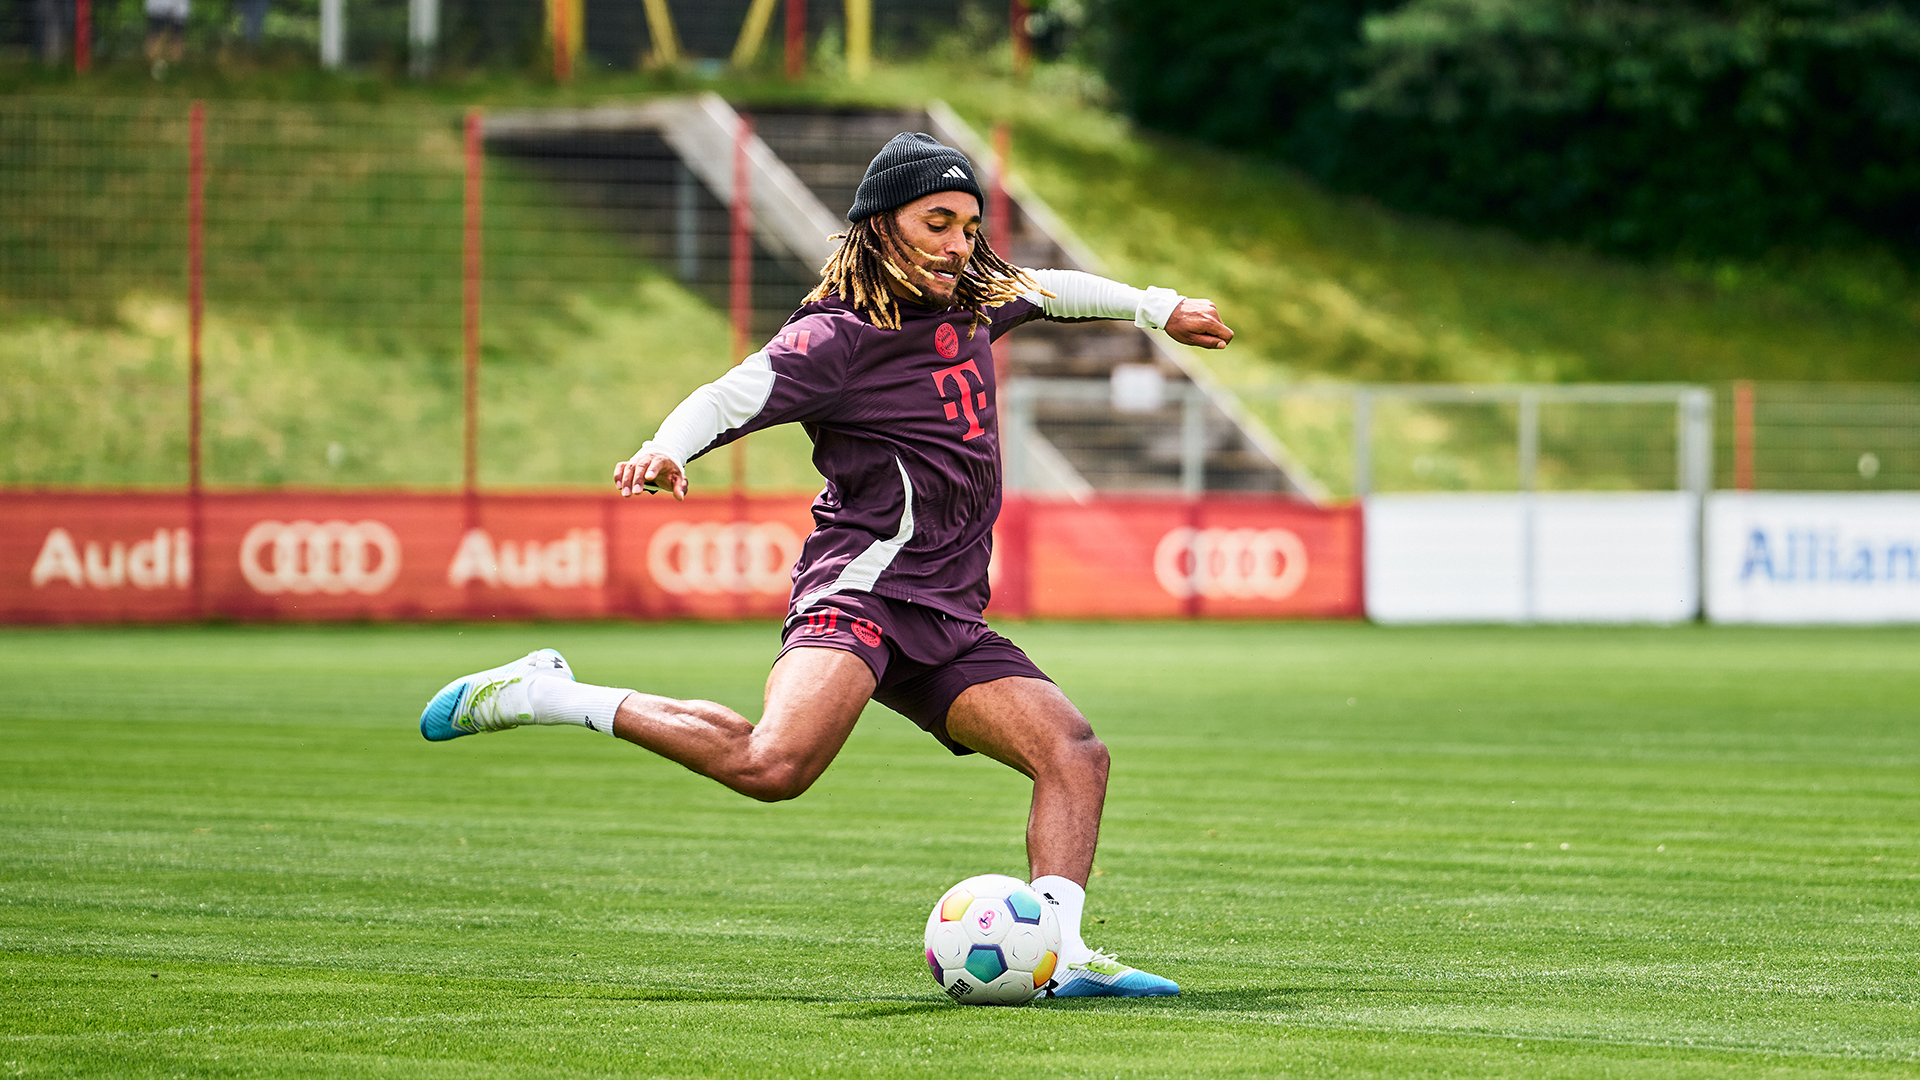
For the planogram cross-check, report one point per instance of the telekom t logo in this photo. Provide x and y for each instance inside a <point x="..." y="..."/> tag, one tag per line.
<point x="973" y="395"/>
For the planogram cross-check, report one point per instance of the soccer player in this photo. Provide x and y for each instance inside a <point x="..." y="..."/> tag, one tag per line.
<point x="888" y="366"/>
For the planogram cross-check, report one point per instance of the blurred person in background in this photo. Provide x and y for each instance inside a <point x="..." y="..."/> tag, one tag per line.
<point x="253" y="17"/>
<point x="51" y="20"/>
<point x="166" y="32"/>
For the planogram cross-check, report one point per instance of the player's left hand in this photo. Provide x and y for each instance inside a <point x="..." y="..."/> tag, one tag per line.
<point x="648" y="471"/>
<point x="1197" y="322"/>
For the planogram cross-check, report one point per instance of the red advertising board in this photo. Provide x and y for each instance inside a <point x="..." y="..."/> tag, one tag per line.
<point x="72" y="557"/>
<point x="95" y="558"/>
<point x="1137" y="557"/>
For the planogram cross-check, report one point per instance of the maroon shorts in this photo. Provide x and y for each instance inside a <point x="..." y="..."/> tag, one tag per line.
<point x="922" y="660"/>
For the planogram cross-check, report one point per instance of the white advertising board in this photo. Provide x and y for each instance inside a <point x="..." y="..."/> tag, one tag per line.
<point x="1545" y="557"/>
<point x="1842" y="557"/>
<point x="1444" y="558"/>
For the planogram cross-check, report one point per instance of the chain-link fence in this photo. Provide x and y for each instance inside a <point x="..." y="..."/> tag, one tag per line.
<point x="1820" y="436"/>
<point x="1360" y="439"/>
<point x="333" y="273"/>
<point x="463" y="34"/>
<point x="334" y="269"/>
<point x="1343" y="440"/>
<point x="1786" y="437"/>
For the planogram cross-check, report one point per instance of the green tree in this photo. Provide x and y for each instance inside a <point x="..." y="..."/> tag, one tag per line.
<point x="1639" y="125"/>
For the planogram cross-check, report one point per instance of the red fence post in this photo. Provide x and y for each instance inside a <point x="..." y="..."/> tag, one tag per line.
<point x="1743" y="435"/>
<point x="999" y="205"/>
<point x="562" y="46"/>
<point x="470" y="315"/>
<point x="82" y="36"/>
<point x="741" y="271"/>
<point x="471" y="192"/>
<point x="741" y="221"/>
<point x="1017" y="26"/>
<point x="1000" y="234"/>
<point x="196" y="306"/>
<point x="796" y="39"/>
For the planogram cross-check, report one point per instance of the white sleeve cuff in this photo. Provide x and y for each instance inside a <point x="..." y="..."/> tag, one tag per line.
<point x="1156" y="307"/>
<point x="1079" y="295"/>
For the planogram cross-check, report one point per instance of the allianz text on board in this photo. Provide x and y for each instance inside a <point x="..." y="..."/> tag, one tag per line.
<point x="1793" y="558"/>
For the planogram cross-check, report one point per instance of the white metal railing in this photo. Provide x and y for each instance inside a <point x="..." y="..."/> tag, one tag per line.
<point x="1693" y="417"/>
<point x="1029" y="458"/>
<point x="1692" y="420"/>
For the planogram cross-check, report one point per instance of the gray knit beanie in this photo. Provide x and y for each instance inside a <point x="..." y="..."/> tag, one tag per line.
<point x="912" y="164"/>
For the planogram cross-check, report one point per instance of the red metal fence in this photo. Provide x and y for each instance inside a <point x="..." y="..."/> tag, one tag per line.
<point x="92" y="557"/>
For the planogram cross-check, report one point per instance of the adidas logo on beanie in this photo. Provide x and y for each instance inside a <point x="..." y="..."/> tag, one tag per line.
<point x="912" y="164"/>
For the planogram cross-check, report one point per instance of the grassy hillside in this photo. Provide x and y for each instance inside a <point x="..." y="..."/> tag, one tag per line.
<point x="105" y="403"/>
<point x="333" y="353"/>
<point x="1320" y="285"/>
<point x="332" y="341"/>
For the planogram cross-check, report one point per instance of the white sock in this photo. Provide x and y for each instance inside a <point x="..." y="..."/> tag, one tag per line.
<point x="555" y="700"/>
<point x="1069" y="903"/>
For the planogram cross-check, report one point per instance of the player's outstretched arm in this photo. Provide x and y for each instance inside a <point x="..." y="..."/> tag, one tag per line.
<point x="1197" y="322"/>
<point x="1075" y="294"/>
<point x="650" y="468"/>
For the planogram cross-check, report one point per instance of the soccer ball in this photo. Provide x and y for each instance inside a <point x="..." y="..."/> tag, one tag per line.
<point x="991" y="940"/>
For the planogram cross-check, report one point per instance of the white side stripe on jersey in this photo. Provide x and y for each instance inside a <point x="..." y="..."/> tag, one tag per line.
<point x="865" y="569"/>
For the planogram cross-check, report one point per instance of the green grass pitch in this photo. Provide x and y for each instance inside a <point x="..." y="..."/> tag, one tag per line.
<point x="1362" y="851"/>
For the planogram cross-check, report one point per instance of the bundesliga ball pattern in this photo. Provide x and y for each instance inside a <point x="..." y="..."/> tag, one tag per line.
<point x="991" y="940"/>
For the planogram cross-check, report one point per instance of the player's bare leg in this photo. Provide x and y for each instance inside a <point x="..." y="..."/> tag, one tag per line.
<point x="814" y="697"/>
<point x="1029" y="725"/>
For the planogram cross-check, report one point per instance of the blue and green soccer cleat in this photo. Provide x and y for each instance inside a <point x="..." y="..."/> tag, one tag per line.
<point x="1105" y="976"/>
<point x="490" y="700"/>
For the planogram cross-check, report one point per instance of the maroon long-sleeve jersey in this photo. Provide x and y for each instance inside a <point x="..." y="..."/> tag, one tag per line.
<point x="904" y="429"/>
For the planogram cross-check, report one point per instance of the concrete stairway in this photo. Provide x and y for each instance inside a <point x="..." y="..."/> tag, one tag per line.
<point x="660" y="175"/>
<point x="661" y="172"/>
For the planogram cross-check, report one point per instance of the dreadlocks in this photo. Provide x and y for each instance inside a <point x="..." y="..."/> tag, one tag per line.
<point x="871" y="254"/>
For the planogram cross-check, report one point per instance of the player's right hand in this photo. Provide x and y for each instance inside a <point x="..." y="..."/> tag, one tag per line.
<point x="647" y="469"/>
<point x="1197" y="322"/>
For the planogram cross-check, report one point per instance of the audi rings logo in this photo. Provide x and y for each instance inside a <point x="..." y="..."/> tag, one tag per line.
<point x="332" y="557"/>
<point x="1231" y="564"/>
<point x="715" y="557"/>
